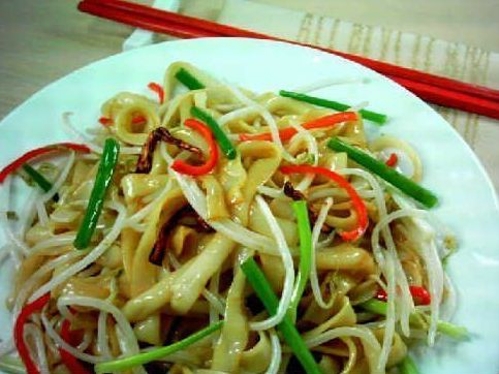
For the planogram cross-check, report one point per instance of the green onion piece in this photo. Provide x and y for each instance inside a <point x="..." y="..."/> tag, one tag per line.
<point x="378" y="118"/>
<point x="446" y="328"/>
<point x="222" y="139"/>
<point x="12" y="365"/>
<point x="287" y="328"/>
<point x="126" y="363"/>
<point x="408" y="366"/>
<point x="389" y="174"/>
<point x="454" y="331"/>
<point x="39" y="179"/>
<point x="188" y="80"/>
<point x="305" y="234"/>
<point x="375" y="306"/>
<point x="103" y="179"/>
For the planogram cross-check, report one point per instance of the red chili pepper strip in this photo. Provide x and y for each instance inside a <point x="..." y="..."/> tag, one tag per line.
<point x="195" y="170"/>
<point x="21" y="320"/>
<point x="159" y="91"/>
<point x="420" y="295"/>
<point x="357" y="202"/>
<point x="322" y="122"/>
<point x="16" y="164"/>
<point x="381" y="295"/>
<point x="71" y="362"/>
<point x="138" y="120"/>
<point x="106" y="121"/>
<point x="392" y="160"/>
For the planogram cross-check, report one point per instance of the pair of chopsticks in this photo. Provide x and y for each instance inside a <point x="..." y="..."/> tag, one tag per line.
<point x="428" y="87"/>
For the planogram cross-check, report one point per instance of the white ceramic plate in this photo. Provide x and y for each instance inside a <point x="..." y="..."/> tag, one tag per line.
<point x="468" y="203"/>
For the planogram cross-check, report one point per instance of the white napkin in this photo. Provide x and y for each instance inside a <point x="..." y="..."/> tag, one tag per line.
<point x="140" y="37"/>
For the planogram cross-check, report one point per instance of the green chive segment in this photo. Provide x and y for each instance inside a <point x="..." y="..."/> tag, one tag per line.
<point x="287" y="328"/>
<point x="126" y="363"/>
<point x="444" y="327"/>
<point x="305" y="235"/>
<point x="223" y="141"/>
<point x="378" y="118"/>
<point x="188" y="80"/>
<point x="39" y="179"/>
<point x="404" y="184"/>
<point x="408" y="366"/>
<point x="12" y="365"/>
<point x="102" y="181"/>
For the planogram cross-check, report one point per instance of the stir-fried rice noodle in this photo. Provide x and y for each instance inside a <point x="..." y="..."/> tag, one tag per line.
<point x="164" y="259"/>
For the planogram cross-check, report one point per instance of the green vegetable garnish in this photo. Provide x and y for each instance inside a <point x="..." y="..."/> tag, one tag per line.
<point x="305" y="234"/>
<point x="39" y="179"/>
<point x="408" y="366"/>
<point x="389" y="174"/>
<point x="223" y="141"/>
<point x="12" y="365"/>
<point x="367" y="114"/>
<point x="103" y="179"/>
<point x="454" y="331"/>
<point x="287" y="328"/>
<point x="447" y="328"/>
<point x="155" y="354"/>
<point x="188" y="80"/>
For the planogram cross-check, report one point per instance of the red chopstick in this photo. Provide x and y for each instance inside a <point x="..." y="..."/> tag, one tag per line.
<point x="451" y="99"/>
<point x="432" y="88"/>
